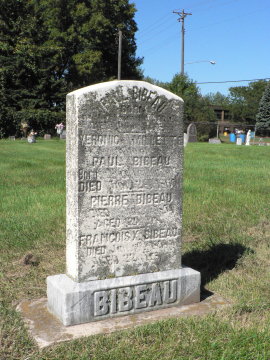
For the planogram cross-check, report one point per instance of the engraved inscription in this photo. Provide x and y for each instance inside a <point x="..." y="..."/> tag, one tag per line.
<point x="99" y="201"/>
<point x="131" y="139"/>
<point x="87" y="175"/>
<point x="105" y="161"/>
<point x="99" y="140"/>
<point x="143" y="184"/>
<point x="146" y="95"/>
<point x="151" y="161"/>
<point x="87" y="186"/>
<point x="142" y="296"/>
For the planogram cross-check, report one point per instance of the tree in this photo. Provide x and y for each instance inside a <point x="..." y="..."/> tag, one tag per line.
<point x="218" y="99"/>
<point x="244" y="101"/>
<point x="196" y="107"/>
<point x="51" y="47"/>
<point x="85" y="35"/>
<point x="263" y="115"/>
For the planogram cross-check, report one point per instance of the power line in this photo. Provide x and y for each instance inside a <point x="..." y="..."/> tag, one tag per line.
<point x="162" y="20"/>
<point x="143" y="39"/>
<point x="228" y="81"/>
<point x="153" y="26"/>
<point x="157" y="47"/>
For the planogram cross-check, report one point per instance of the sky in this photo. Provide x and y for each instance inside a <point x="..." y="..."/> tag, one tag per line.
<point x="233" y="33"/>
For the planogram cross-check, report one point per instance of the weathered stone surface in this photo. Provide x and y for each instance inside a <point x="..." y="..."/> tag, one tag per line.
<point x="47" y="137"/>
<point x="124" y="178"/>
<point x="76" y="303"/>
<point x="192" y="133"/>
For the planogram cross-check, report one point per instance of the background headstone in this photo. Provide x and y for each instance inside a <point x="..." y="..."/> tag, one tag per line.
<point x="124" y="204"/>
<point x="185" y="139"/>
<point x="31" y="139"/>
<point x="63" y="135"/>
<point x="47" y="137"/>
<point x="214" y="141"/>
<point x="239" y="141"/>
<point x="12" y="138"/>
<point x="192" y="133"/>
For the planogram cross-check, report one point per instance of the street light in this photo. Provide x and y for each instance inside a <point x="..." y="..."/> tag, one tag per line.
<point x="209" y="61"/>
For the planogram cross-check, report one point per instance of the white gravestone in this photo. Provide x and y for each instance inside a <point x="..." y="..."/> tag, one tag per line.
<point x="185" y="139"/>
<point x="124" y="205"/>
<point x="239" y="141"/>
<point x="248" y="137"/>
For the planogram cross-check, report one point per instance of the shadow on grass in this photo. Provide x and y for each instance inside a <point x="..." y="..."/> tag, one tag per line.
<point x="214" y="261"/>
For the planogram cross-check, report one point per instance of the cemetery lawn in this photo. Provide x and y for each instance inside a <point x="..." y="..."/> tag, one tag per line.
<point x="226" y="237"/>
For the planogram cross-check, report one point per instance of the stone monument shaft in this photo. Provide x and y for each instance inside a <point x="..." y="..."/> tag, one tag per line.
<point x="124" y="175"/>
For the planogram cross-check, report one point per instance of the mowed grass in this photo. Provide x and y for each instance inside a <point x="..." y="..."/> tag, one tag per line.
<point x="226" y="236"/>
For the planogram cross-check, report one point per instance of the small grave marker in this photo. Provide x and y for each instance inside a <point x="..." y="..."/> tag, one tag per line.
<point x="63" y="135"/>
<point x="185" y="139"/>
<point x="192" y="133"/>
<point x="239" y="141"/>
<point x="214" y="141"/>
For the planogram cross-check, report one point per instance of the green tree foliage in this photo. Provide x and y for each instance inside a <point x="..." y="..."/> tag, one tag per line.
<point x="218" y="99"/>
<point x="28" y="92"/>
<point x="197" y="108"/>
<point x="244" y="101"/>
<point x="51" y="47"/>
<point x="263" y="115"/>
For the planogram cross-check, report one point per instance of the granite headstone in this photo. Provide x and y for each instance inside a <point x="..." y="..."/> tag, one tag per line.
<point x="192" y="133"/>
<point x="124" y="205"/>
<point x="47" y="137"/>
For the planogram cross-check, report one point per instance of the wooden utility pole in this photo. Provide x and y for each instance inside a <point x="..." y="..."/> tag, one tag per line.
<point x="182" y="15"/>
<point x="119" y="55"/>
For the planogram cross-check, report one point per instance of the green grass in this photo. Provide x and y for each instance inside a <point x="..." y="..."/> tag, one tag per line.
<point x="226" y="237"/>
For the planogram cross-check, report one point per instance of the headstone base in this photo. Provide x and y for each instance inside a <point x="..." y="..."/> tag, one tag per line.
<point x="77" y="303"/>
<point x="47" y="330"/>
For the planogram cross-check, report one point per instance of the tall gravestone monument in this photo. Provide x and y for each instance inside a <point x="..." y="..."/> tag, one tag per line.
<point x="192" y="133"/>
<point x="124" y="205"/>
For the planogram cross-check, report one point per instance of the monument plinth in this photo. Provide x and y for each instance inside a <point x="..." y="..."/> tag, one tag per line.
<point x="124" y="205"/>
